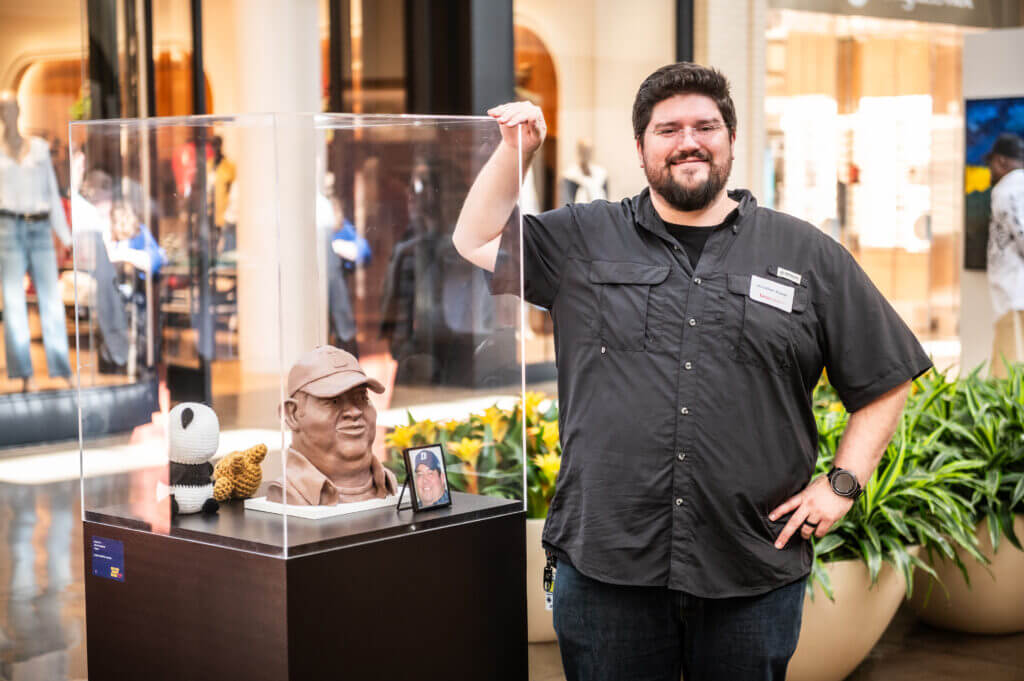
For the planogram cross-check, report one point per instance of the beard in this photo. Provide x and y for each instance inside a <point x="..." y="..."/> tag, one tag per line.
<point x="693" y="197"/>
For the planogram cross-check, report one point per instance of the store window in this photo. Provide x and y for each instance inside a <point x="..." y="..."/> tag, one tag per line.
<point x="864" y="121"/>
<point x="41" y="89"/>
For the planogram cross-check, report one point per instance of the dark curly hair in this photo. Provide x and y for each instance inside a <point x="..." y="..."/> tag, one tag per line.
<point x="679" y="79"/>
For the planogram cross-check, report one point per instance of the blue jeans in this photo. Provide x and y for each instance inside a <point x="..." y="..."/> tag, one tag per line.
<point x="608" y="632"/>
<point x="27" y="246"/>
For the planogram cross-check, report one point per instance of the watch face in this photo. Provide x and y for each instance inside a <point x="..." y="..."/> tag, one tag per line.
<point x="844" y="483"/>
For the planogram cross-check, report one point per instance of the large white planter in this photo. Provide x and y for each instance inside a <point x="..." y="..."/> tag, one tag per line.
<point x="836" y="636"/>
<point x="992" y="604"/>
<point x="540" y="628"/>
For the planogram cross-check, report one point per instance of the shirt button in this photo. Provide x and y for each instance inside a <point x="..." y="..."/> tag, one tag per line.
<point x="698" y="281"/>
<point x="684" y="411"/>
<point x="679" y="502"/>
<point x="676" y="247"/>
<point x="602" y="349"/>
<point x="681" y="456"/>
<point x="692" y="322"/>
<point x="688" y="366"/>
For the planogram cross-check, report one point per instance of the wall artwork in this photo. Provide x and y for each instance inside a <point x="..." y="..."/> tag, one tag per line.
<point x="986" y="119"/>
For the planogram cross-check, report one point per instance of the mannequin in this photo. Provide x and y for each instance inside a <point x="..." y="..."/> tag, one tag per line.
<point x="584" y="181"/>
<point x="30" y="207"/>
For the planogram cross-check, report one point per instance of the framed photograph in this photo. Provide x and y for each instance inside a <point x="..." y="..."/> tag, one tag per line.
<point x="427" y="477"/>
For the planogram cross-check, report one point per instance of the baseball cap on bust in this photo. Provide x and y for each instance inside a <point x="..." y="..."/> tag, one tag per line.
<point x="426" y="458"/>
<point x="1008" y="145"/>
<point x="327" y="371"/>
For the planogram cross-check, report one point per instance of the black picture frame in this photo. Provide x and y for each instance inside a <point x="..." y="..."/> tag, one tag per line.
<point x="414" y="456"/>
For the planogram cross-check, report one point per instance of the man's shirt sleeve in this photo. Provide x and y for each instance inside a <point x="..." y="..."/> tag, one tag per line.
<point x="547" y="239"/>
<point x="869" y="350"/>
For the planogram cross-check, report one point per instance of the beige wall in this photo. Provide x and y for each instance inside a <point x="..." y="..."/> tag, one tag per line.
<point x="730" y="35"/>
<point x="602" y="49"/>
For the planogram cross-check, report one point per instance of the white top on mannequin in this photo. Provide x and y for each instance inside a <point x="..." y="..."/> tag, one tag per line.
<point x="30" y="186"/>
<point x="1006" y="244"/>
<point x="591" y="187"/>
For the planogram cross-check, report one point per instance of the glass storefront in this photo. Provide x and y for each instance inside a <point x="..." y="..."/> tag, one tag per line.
<point x="865" y="127"/>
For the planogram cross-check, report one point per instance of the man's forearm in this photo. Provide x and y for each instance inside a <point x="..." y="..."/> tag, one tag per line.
<point x="488" y="205"/>
<point x="869" y="431"/>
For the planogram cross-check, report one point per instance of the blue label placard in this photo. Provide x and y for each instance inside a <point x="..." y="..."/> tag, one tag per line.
<point x="108" y="558"/>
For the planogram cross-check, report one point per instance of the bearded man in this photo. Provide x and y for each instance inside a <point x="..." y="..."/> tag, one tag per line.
<point x="691" y="326"/>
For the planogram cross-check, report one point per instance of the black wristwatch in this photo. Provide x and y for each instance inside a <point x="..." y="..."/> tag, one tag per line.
<point x="844" y="483"/>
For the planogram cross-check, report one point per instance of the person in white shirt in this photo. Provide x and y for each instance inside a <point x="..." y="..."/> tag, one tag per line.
<point x="1006" y="251"/>
<point x="30" y="209"/>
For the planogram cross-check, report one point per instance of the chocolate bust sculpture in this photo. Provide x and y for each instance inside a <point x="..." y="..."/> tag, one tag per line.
<point x="333" y="426"/>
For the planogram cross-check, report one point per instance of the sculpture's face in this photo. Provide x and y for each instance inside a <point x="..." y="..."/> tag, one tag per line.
<point x="429" y="485"/>
<point x="343" y="426"/>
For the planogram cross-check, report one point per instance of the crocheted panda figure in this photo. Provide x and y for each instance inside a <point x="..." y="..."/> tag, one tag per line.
<point x="193" y="433"/>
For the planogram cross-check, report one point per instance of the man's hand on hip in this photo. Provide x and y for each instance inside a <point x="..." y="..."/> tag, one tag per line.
<point x="815" y="510"/>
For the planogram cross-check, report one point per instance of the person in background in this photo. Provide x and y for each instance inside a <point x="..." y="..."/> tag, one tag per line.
<point x="1006" y="251"/>
<point x="31" y="212"/>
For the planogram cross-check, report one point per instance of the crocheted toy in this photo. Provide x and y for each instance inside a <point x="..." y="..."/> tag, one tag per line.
<point x="238" y="474"/>
<point x="193" y="433"/>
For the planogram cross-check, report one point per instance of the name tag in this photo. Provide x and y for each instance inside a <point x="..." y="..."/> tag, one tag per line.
<point x="771" y="293"/>
<point x="788" y="274"/>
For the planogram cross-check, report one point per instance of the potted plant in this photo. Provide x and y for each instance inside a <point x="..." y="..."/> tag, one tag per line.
<point x="865" y="565"/>
<point x="983" y="422"/>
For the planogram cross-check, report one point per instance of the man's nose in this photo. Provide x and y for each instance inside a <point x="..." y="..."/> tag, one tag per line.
<point x="686" y="140"/>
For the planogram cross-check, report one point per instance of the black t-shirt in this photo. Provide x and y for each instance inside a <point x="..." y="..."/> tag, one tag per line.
<point x="692" y="239"/>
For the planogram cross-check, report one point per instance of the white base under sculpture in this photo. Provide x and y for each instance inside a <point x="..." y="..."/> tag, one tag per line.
<point x="318" y="512"/>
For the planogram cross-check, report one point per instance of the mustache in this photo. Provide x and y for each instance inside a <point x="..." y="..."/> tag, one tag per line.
<point x="695" y="155"/>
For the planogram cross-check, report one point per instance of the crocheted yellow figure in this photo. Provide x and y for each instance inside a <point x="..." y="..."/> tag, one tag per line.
<point x="238" y="474"/>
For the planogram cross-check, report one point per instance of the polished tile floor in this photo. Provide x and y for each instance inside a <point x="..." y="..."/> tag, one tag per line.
<point x="42" y="603"/>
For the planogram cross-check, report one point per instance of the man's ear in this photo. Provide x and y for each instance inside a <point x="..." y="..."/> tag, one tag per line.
<point x="290" y="409"/>
<point x="640" y="151"/>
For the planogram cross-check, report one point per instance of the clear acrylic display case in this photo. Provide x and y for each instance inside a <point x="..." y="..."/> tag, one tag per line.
<point x="211" y="252"/>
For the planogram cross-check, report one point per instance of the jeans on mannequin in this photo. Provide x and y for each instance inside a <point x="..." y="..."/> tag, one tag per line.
<point x="27" y="246"/>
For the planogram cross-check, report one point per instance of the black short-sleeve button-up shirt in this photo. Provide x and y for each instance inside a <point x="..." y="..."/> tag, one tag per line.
<point x="685" y="392"/>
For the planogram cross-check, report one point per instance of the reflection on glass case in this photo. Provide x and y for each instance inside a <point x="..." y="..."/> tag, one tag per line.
<point x="288" y="284"/>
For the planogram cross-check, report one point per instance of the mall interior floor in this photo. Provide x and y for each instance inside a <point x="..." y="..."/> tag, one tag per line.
<point x="42" y="602"/>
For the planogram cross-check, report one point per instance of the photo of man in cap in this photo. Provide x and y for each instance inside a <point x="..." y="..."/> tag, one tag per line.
<point x="333" y="424"/>
<point x="1006" y="250"/>
<point x="429" y="480"/>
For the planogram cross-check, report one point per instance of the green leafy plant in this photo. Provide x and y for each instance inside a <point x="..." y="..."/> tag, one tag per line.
<point x="983" y="420"/>
<point x="916" y="496"/>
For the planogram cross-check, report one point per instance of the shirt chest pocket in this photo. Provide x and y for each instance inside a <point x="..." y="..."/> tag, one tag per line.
<point x="761" y="334"/>
<point x="623" y="295"/>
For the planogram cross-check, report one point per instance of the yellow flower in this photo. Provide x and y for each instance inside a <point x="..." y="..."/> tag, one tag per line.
<point x="533" y="400"/>
<point x="550" y="435"/>
<point x="401" y="437"/>
<point x="549" y="465"/>
<point x="468" y="450"/>
<point x="428" y="429"/>
<point x="836" y="407"/>
<point x="498" y="420"/>
<point x="532" y="432"/>
<point x="450" y="425"/>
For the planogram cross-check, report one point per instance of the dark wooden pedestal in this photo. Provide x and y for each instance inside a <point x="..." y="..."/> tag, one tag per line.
<point x="373" y="595"/>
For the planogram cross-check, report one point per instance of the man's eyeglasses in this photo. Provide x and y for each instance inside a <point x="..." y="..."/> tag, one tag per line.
<point x="704" y="132"/>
